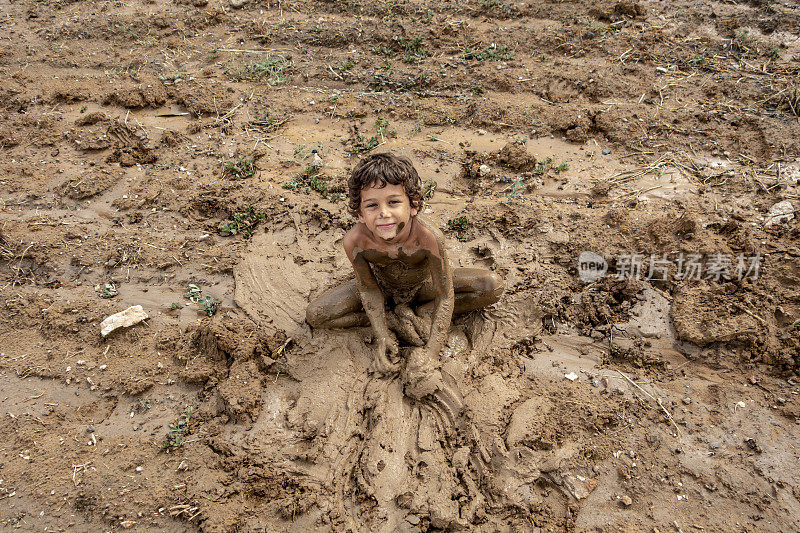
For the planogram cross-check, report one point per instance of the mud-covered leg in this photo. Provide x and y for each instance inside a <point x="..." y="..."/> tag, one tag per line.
<point x="475" y="288"/>
<point x="339" y="307"/>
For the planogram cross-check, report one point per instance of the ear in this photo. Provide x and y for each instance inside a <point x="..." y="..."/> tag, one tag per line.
<point x="414" y="209"/>
<point x="361" y="217"/>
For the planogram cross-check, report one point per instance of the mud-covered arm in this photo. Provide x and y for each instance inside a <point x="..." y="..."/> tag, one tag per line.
<point x="372" y="297"/>
<point x="444" y="299"/>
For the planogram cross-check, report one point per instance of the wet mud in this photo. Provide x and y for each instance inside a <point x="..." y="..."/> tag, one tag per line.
<point x="191" y="158"/>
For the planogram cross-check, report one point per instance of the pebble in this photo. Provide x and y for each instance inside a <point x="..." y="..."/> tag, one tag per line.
<point x="687" y="400"/>
<point x="236" y="4"/>
<point x="626" y="500"/>
<point x="572" y="376"/>
<point x="606" y="151"/>
<point x="779" y="213"/>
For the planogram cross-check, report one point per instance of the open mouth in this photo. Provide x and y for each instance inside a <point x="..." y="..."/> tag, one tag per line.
<point x="385" y="226"/>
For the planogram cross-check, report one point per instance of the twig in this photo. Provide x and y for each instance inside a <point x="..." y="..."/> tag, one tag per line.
<point x="657" y="400"/>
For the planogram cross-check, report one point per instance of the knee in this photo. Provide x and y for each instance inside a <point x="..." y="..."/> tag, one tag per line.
<point x="315" y="315"/>
<point x="492" y="286"/>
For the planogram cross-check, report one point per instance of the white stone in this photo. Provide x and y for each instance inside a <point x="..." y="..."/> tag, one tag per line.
<point x="129" y="317"/>
<point x="779" y="213"/>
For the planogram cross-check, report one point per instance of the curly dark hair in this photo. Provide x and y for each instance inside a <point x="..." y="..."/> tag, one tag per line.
<point x="380" y="169"/>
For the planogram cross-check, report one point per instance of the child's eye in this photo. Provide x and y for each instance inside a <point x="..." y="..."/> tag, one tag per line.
<point x="394" y="202"/>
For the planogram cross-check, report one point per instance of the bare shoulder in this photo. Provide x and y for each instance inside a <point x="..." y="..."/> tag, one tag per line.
<point x="355" y="238"/>
<point x="429" y="236"/>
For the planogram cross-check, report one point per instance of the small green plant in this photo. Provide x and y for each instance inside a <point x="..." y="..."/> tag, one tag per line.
<point x="109" y="290"/>
<point x="194" y="293"/>
<point x="213" y="54"/>
<point x="142" y="405"/>
<point x="174" y="306"/>
<point x="383" y="51"/>
<point x="364" y="144"/>
<point x="311" y="180"/>
<point x="459" y="225"/>
<point x="274" y="69"/>
<point x="266" y="121"/>
<point x="241" y="168"/>
<point x="83" y="109"/>
<point x="344" y="66"/>
<point x="243" y="222"/>
<point x="492" y="53"/>
<point x="171" y="78"/>
<point x="478" y="89"/>
<point x="428" y="189"/>
<point x="209" y="305"/>
<point x="17" y="518"/>
<point x="561" y="168"/>
<point x="315" y="29"/>
<point x="414" y="49"/>
<point x="300" y="153"/>
<point x="177" y="431"/>
<point x="515" y="191"/>
<point x="542" y="166"/>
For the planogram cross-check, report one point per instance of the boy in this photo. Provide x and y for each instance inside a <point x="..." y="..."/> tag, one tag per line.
<point x="399" y="256"/>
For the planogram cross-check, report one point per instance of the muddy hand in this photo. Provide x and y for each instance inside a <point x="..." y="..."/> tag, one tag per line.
<point x="385" y="354"/>
<point x="400" y="323"/>
<point x="421" y="376"/>
<point x="421" y="327"/>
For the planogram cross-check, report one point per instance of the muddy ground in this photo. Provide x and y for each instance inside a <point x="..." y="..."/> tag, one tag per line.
<point x="152" y="145"/>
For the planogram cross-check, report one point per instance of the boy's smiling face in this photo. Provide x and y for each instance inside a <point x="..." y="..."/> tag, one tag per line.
<point x="387" y="212"/>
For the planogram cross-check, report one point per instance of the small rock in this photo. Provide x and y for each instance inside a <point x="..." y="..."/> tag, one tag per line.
<point x="139" y="468"/>
<point x="741" y="404"/>
<point x="89" y="429"/>
<point x="579" y="486"/>
<point x="481" y="132"/>
<point x="237" y="4"/>
<point x="102" y="367"/>
<point x="606" y="151"/>
<point x="626" y="500"/>
<point x="484" y="170"/>
<point x="687" y="401"/>
<point x="572" y="376"/>
<point x="127" y="524"/>
<point x="752" y="445"/>
<point x="129" y="317"/>
<point x="779" y="213"/>
<point x="316" y="160"/>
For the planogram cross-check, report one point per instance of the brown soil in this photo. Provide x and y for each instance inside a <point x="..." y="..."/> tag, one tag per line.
<point x="131" y="134"/>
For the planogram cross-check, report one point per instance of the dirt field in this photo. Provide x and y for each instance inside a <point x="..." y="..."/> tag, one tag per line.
<point x="191" y="156"/>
